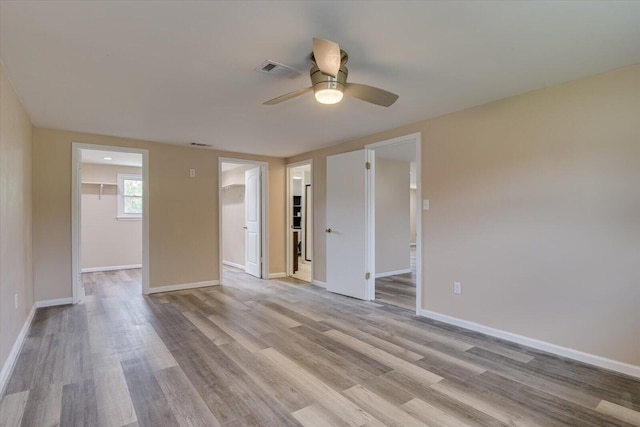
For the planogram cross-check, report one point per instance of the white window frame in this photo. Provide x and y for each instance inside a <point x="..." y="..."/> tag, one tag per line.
<point x="121" y="214"/>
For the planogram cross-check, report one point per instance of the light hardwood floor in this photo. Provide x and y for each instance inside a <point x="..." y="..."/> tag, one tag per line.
<point x="304" y="271"/>
<point x="399" y="290"/>
<point x="271" y="353"/>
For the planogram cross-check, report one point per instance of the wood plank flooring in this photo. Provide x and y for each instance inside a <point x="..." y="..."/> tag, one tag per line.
<point x="283" y="353"/>
<point x="400" y="289"/>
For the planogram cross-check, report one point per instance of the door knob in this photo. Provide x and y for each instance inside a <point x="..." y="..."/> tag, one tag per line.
<point x="328" y="230"/>
<point x="244" y="227"/>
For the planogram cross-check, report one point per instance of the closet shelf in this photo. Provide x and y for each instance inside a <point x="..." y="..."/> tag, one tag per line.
<point x="98" y="183"/>
<point x="230" y="186"/>
<point x="101" y="184"/>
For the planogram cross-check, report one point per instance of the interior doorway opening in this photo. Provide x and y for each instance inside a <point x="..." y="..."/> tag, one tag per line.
<point x="300" y="221"/>
<point x="395" y="224"/>
<point x="242" y="216"/>
<point x="396" y="211"/>
<point x="109" y="216"/>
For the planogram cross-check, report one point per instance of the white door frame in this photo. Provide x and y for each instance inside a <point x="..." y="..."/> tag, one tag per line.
<point x="417" y="138"/>
<point x="290" y="168"/>
<point x="264" y="207"/>
<point x="77" y="291"/>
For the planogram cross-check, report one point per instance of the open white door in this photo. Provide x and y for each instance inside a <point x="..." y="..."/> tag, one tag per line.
<point x="253" y="243"/>
<point x="348" y="252"/>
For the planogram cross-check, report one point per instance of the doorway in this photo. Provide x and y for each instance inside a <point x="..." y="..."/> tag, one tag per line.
<point x="351" y="220"/>
<point x="110" y="214"/>
<point x="397" y="232"/>
<point x="242" y="217"/>
<point x="395" y="224"/>
<point x="300" y="221"/>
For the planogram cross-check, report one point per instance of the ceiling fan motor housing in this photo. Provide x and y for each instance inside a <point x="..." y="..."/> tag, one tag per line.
<point x="320" y="80"/>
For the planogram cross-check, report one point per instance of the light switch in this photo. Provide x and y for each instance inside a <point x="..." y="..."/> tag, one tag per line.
<point x="425" y="205"/>
<point x="192" y="173"/>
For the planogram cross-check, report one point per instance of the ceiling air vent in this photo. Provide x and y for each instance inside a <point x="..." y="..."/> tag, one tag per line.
<point x="199" y="144"/>
<point x="278" y="70"/>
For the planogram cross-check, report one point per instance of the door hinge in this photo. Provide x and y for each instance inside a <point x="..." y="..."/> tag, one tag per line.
<point x="367" y="165"/>
<point x="367" y="276"/>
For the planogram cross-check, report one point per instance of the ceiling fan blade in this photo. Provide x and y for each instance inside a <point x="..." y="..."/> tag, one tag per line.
<point x="327" y="56"/>
<point x="371" y="94"/>
<point x="288" y="96"/>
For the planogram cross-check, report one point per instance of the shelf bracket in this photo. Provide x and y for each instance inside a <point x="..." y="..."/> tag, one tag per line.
<point x="100" y="194"/>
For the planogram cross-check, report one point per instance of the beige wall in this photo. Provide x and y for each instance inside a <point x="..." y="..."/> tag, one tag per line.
<point x="392" y="216"/>
<point x="183" y="211"/>
<point x="534" y="207"/>
<point x="15" y="216"/>
<point x="107" y="241"/>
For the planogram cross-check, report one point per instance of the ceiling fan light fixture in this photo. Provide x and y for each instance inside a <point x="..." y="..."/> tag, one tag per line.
<point x="329" y="84"/>
<point x="328" y="96"/>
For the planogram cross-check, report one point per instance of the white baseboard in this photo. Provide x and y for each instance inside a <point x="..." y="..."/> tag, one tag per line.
<point x="54" y="302"/>
<point x="10" y="363"/>
<point x="393" y="273"/>
<point x="592" y="359"/>
<point x="233" y="264"/>
<point x="157" y="289"/>
<point x="277" y="275"/>
<point x="319" y="283"/>
<point x="111" y="268"/>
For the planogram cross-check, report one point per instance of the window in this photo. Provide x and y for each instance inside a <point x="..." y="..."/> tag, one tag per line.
<point x="129" y="196"/>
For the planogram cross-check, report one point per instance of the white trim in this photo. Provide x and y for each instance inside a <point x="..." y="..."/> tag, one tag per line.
<point x="76" y="225"/>
<point x="111" y="268"/>
<point x="10" y="363"/>
<point x="319" y="283"/>
<point x="169" y="288"/>
<point x="419" y="277"/>
<point x="277" y="275"/>
<point x="53" y="302"/>
<point x="77" y="289"/>
<point x="417" y="139"/>
<point x="592" y="359"/>
<point x="370" y="223"/>
<point x="393" y="273"/>
<point x="233" y="264"/>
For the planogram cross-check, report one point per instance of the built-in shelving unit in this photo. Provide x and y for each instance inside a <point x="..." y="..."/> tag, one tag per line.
<point x="101" y="184"/>
<point x="297" y="212"/>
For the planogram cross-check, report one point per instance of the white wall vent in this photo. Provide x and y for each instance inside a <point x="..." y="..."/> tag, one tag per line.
<point x="278" y="70"/>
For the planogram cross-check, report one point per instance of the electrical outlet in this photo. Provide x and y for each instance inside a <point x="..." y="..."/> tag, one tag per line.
<point x="457" y="288"/>
<point x="15" y="301"/>
<point x="192" y="173"/>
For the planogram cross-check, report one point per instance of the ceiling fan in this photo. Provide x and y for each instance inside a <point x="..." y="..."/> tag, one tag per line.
<point x="329" y="79"/>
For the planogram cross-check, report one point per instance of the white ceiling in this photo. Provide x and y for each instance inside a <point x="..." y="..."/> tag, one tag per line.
<point x="111" y="158"/>
<point x="182" y="71"/>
